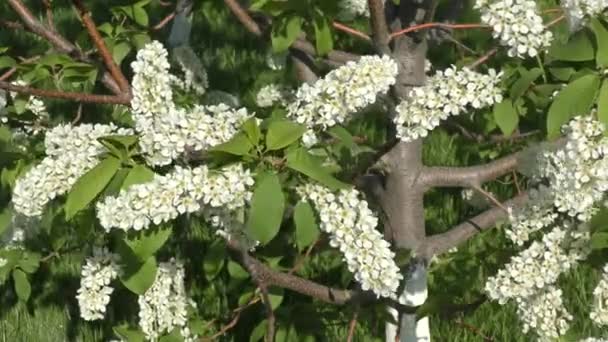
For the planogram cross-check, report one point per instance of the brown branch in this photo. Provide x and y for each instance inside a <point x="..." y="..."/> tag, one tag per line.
<point x="49" y="14"/>
<point x="471" y="176"/>
<point x="164" y="22"/>
<point x="244" y="17"/>
<point x="304" y="65"/>
<point x="440" y="243"/>
<point x="380" y="33"/>
<point x="81" y="97"/>
<point x="115" y="71"/>
<point x="58" y="41"/>
<point x="341" y="27"/>
<point x="440" y="25"/>
<point x="352" y="325"/>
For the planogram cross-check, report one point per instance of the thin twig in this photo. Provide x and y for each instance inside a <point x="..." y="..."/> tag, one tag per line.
<point x="351" y="31"/>
<point x="269" y="312"/>
<point x="301" y="260"/>
<point x="164" y="22"/>
<point x="516" y="181"/>
<point x="81" y="97"/>
<point x="442" y="25"/>
<point x="49" y="14"/>
<point x="483" y="58"/>
<point x="352" y="325"/>
<point x="490" y="197"/>
<point x="78" y="114"/>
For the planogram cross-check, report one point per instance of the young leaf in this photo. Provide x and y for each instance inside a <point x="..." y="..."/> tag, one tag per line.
<point x="90" y="185"/>
<point x="285" y="31"/>
<point x="282" y="133"/>
<point x="602" y="104"/>
<point x="323" y="38"/>
<point x="601" y="37"/>
<point x="149" y="241"/>
<point x="575" y="99"/>
<point x="302" y="161"/>
<point x="267" y="206"/>
<point x="523" y="83"/>
<point x="236" y="271"/>
<point x="139" y="174"/>
<point x="307" y="229"/>
<point x="251" y="128"/>
<point x="506" y="116"/>
<point x="139" y="277"/>
<point x="239" y="145"/>
<point x="579" y="48"/>
<point x="214" y="259"/>
<point x="22" y="285"/>
<point x="599" y="240"/>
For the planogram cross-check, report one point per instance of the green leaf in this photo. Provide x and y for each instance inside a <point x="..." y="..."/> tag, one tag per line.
<point x="267" y="206"/>
<point x="139" y="174"/>
<point x="506" y="116"/>
<point x="114" y="186"/>
<point x="139" y="277"/>
<point x="275" y="295"/>
<point x="602" y="104"/>
<point x="6" y="216"/>
<point x="239" y="145"/>
<point x="282" y="133"/>
<point x="129" y="334"/>
<point x="601" y="37"/>
<point x="236" y="271"/>
<point x="285" y="30"/>
<point x="120" y="51"/>
<point x="141" y="16"/>
<point x="147" y="242"/>
<point x="7" y="62"/>
<point x="323" y="39"/>
<point x="523" y="83"/>
<point x="174" y="336"/>
<point x="29" y="262"/>
<point x="575" y="99"/>
<point x="300" y="160"/>
<point x="22" y="285"/>
<point x="214" y="259"/>
<point x="599" y="240"/>
<point x="90" y="185"/>
<point x="307" y="229"/>
<point x="126" y="141"/>
<point x="578" y="48"/>
<point x="259" y="331"/>
<point x="344" y="136"/>
<point x="251" y="128"/>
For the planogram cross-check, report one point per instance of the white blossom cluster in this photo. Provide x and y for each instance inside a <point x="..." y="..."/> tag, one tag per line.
<point x="182" y="191"/>
<point x="537" y="214"/>
<point x="539" y="265"/>
<point x="343" y="91"/>
<point x="448" y="92"/>
<point x="272" y="94"/>
<point x="350" y="9"/>
<point x="191" y="82"/>
<point x="545" y="313"/>
<point x="33" y="105"/>
<point x="517" y="24"/>
<point x="352" y="228"/>
<point x="95" y="290"/>
<point x="577" y="10"/>
<point x="164" y="306"/>
<point x="71" y="152"/>
<point x="577" y="173"/>
<point x="599" y="313"/>
<point x="168" y="131"/>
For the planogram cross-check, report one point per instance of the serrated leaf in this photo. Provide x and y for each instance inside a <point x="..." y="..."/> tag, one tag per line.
<point x="575" y="99"/>
<point x="22" y="285"/>
<point x="285" y="30"/>
<point x="267" y="206"/>
<point x="138" y="174"/>
<point x="90" y="185"/>
<point x="139" y="277"/>
<point x="239" y="145"/>
<point x="601" y="38"/>
<point x="602" y="104"/>
<point x="323" y="39"/>
<point x="147" y="242"/>
<point x="282" y="133"/>
<point x="214" y="259"/>
<point x="300" y="160"/>
<point x="578" y="48"/>
<point x="506" y="117"/>
<point x="307" y="229"/>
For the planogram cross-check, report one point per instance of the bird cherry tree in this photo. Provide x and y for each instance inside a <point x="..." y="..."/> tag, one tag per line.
<point x="278" y="181"/>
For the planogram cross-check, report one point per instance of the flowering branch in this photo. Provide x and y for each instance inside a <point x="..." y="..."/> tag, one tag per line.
<point x="440" y="243"/>
<point x="379" y="27"/>
<point x="471" y="176"/>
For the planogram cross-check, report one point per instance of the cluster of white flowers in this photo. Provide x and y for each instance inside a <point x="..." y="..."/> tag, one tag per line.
<point x="352" y="228"/>
<point x="164" y="306"/>
<point x="350" y="9"/>
<point x="343" y="91"/>
<point x="536" y="215"/>
<point x="546" y="314"/>
<point x="191" y="82"/>
<point x="599" y="313"/>
<point x="577" y="10"/>
<point x="272" y="94"/>
<point x="167" y="131"/>
<point x="33" y="104"/>
<point x="539" y="265"/>
<point x="182" y="191"/>
<point x="518" y="25"/>
<point x="95" y="290"/>
<point x="446" y="93"/>
<point x="71" y="152"/>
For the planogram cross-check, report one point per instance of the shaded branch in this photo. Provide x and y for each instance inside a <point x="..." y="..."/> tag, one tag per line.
<point x="440" y="243"/>
<point x="241" y="14"/>
<point x="380" y="33"/>
<point x="80" y="97"/>
<point x="305" y="68"/>
<point x="471" y="176"/>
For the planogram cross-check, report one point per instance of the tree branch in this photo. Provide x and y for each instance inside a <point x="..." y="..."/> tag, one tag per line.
<point x="471" y="176"/>
<point x="304" y="66"/>
<point x="380" y="33"/>
<point x="440" y="243"/>
<point x="58" y="41"/>
<point x="81" y="97"/>
<point x="241" y="14"/>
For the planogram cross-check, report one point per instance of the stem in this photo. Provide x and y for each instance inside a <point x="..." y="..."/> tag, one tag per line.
<point x="542" y="67"/>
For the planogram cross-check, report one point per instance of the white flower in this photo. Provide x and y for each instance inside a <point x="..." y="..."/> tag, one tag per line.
<point x="448" y="92"/>
<point x="352" y="228"/>
<point x="545" y="313"/>
<point x="517" y="24"/>
<point x="271" y="94"/>
<point x="537" y="214"/>
<point x="350" y="9"/>
<point x="577" y="10"/>
<point x="164" y="306"/>
<point x="95" y="290"/>
<point x="71" y="152"/>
